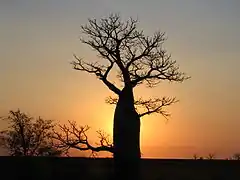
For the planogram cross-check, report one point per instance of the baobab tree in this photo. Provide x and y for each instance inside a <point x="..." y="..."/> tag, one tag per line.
<point x="138" y="59"/>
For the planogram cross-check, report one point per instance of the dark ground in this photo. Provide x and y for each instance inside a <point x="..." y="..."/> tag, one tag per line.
<point x="91" y="169"/>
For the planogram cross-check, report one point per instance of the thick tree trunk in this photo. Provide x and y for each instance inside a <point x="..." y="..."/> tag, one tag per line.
<point x="126" y="135"/>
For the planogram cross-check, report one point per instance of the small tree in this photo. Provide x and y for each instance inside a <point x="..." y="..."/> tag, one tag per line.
<point x="211" y="156"/>
<point x="236" y="156"/>
<point x="195" y="156"/>
<point x="28" y="137"/>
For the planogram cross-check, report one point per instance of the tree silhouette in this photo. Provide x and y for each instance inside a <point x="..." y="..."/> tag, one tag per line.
<point x="137" y="59"/>
<point x="195" y="156"/>
<point x="211" y="156"/>
<point x="72" y="136"/>
<point x="236" y="156"/>
<point x="28" y="137"/>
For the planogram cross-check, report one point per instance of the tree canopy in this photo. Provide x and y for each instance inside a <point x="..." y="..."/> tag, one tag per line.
<point x="136" y="59"/>
<point x="26" y="136"/>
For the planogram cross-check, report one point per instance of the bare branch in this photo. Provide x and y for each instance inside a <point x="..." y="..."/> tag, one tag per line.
<point x="104" y="139"/>
<point x="101" y="71"/>
<point x="146" y="45"/>
<point x="150" y="106"/>
<point x="156" y="105"/>
<point x="111" y="100"/>
<point x="75" y="137"/>
<point x="154" y="65"/>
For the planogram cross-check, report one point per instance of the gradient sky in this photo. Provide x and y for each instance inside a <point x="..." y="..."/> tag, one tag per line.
<point x="38" y="38"/>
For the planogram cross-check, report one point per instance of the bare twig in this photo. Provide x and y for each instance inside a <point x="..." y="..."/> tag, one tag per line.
<point x="139" y="58"/>
<point x="150" y="106"/>
<point x="71" y="136"/>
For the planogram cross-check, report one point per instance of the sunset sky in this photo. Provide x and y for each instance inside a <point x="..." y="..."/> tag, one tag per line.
<point x="38" y="39"/>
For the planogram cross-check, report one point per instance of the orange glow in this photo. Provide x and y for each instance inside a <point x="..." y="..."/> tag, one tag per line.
<point x="38" y="40"/>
